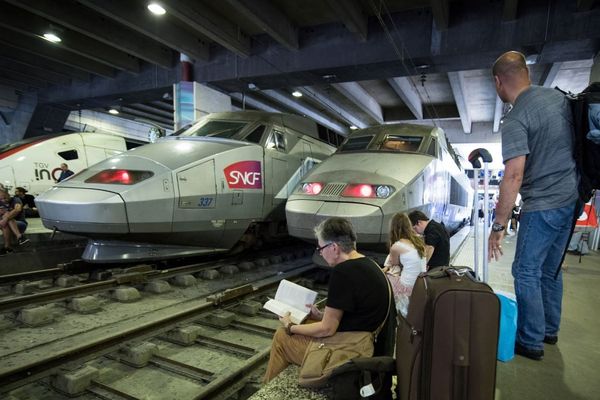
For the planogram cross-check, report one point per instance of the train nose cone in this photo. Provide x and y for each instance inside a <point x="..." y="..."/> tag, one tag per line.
<point x="80" y="210"/>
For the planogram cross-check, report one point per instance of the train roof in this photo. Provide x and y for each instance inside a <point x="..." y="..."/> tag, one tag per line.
<point x="295" y="122"/>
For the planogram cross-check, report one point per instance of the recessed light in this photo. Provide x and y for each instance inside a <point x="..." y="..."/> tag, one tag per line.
<point x="297" y="93"/>
<point x="51" y="37"/>
<point x="353" y="127"/>
<point x="113" y="111"/>
<point x="156" y="9"/>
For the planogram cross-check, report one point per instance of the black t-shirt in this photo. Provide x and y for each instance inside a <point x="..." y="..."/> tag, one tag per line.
<point x="28" y="200"/>
<point x="13" y="201"/>
<point x="436" y="236"/>
<point x="360" y="289"/>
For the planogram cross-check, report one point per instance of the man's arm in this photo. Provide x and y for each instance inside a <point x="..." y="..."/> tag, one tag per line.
<point x="509" y="188"/>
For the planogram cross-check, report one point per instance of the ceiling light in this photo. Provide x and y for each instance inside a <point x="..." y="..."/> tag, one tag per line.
<point x="532" y="59"/>
<point x="353" y="127"/>
<point x="113" y="111"/>
<point x="52" y="37"/>
<point x="297" y="93"/>
<point x="156" y="9"/>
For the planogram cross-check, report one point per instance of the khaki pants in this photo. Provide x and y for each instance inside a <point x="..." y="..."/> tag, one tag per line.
<point x="285" y="350"/>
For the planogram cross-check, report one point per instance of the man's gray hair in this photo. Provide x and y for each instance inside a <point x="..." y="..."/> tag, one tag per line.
<point x="337" y="230"/>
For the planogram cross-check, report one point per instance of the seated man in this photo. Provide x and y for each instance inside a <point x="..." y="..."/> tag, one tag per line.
<point x="28" y="201"/>
<point x="12" y="221"/>
<point x="437" y="241"/>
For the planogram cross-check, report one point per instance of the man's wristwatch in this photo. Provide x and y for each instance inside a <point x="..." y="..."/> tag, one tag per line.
<point x="496" y="227"/>
<point x="288" y="328"/>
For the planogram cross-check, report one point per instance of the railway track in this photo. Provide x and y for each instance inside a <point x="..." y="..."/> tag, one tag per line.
<point x="198" y="341"/>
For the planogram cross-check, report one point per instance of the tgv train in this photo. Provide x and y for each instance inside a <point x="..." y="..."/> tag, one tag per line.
<point x="34" y="163"/>
<point x="222" y="181"/>
<point x="378" y="172"/>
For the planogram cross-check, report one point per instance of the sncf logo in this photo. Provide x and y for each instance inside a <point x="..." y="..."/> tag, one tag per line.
<point x="244" y="175"/>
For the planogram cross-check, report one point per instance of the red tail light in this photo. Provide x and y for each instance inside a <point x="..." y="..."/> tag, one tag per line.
<point x="312" y="188"/>
<point x="119" y="177"/>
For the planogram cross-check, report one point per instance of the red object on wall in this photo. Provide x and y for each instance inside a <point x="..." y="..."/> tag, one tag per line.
<point x="588" y="218"/>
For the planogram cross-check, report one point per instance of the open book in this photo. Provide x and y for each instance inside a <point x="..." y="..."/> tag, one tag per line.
<point x="293" y="298"/>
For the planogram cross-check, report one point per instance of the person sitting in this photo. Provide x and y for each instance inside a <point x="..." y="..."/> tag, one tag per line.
<point x="65" y="172"/>
<point x="358" y="298"/>
<point x="12" y="222"/>
<point x="436" y="239"/>
<point x="28" y="201"/>
<point x="405" y="261"/>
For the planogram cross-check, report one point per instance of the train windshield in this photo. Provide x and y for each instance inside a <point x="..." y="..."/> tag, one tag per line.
<point x="356" y="143"/>
<point x="401" y="143"/>
<point x="222" y="129"/>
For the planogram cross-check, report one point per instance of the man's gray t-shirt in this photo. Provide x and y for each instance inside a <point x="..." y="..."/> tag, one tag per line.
<point x="539" y="127"/>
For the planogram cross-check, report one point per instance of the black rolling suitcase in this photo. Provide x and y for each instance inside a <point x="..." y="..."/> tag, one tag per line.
<point x="446" y="346"/>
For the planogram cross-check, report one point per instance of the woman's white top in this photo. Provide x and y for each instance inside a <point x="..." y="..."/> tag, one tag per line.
<point x="412" y="264"/>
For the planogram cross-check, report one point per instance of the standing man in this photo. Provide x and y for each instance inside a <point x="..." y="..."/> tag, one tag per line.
<point x="437" y="241"/>
<point x="65" y="173"/>
<point x="537" y="150"/>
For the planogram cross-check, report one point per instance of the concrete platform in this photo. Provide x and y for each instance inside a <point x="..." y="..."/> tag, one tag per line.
<point x="569" y="369"/>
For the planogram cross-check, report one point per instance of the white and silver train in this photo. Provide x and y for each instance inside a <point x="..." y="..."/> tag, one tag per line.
<point x="222" y="182"/>
<point x="378" y="172"/>
<point x="34" y="163"/>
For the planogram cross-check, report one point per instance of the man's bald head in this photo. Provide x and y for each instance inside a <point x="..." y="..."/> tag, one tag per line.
<point x="510" y="64"/>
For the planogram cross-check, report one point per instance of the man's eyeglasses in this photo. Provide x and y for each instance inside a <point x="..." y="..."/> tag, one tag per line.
<point x="321" y="248"/>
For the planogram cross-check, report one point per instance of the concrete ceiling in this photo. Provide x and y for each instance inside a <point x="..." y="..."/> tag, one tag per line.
<point x="357" y="62"/>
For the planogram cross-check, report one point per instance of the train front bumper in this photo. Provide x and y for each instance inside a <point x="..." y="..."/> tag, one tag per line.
<point x="80" y="210"/>
<point x="303" y="215"/>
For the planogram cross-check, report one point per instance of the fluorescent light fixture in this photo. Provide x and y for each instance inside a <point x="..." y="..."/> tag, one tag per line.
<point x="353" y="127"/>
<point x="297" y="93"/>
<point x="113" y="111"/>
<point x="51" y="37"/>
<point x="156" y="9"/>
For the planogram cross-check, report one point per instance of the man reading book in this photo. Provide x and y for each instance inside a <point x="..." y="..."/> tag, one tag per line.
<point x="358" y="297"/>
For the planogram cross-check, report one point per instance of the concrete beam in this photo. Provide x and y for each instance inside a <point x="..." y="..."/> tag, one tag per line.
<point x="14" y="84"/>
<point x="20" y="77"/>
<point x="359" y="96"/>
<point x="431" y="112"/>
<point x="549" y="74"/>
<point x="498" y="109"/>
<point x="32" y="60"/>
<point x="305" y="109"/>
<point x="441" y="14"/>
<point x="91" y="24"/>
<point x="323" y="99"/>
<point x="352" y="16"/>
<point x="460" y="96"/>
<point x="405" y="89"/>
<point x="254" y="102"/>
<point x="33" y="26"/>
<point x="35" y="73"/>
<point x="152" y="110"/>
<point x="509" y="11"/>
<point x="270" y="19"/>
<point x="201" y="18"/>
<point x="45" y="49"/>
<point x="164" y="31"/>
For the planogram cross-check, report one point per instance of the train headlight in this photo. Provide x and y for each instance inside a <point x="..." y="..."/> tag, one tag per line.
<point x="383" y="191"/>
<point x="312" y="188"/>
<point x="365" y="190"/>
<point x="119" y="177"/>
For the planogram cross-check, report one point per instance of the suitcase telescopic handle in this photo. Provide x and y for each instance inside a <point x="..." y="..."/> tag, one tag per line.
<point x="449" y="271"/>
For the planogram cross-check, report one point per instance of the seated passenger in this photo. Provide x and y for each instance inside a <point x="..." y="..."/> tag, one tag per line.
<point x="358" y="298"/>
<point x="405" y="261"/>
<point x="12" y="221"/>
<point x="28" y="201"/>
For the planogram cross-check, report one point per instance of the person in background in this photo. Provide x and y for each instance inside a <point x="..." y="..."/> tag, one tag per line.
<point x="405" y="261"/>
<point x="12" y="221"/>
<point x="28" y="201"/>
<point x="436" y="239"/>
<point x="537" y="129"/>
<point x="358" y="298"/>
<point x="65" y="172"/>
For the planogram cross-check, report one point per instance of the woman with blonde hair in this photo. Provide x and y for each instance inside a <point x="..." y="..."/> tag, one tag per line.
<point x="406" y="260"/>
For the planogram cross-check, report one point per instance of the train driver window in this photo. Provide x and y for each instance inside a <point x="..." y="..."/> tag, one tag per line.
<point x="256" y="135"/>
<point x="402" y="143"/>
<point x="276" y="141"/>
<point x="69" y="154"/>
<point x="432" y="148"/>
<point x="223" y="129"/>
<point x="356" y="143"/>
